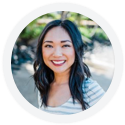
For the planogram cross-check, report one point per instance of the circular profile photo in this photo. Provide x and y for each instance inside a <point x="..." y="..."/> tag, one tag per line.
<point x="62" y="64"/>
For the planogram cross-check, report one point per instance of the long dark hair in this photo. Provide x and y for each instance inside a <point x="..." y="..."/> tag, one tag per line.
<point x="44" y="76"/>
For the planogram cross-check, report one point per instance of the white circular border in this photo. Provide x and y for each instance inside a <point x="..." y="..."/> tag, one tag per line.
<point x="52" y="8"/>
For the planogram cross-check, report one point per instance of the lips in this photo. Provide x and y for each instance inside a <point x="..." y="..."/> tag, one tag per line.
<point x="58" y="62"/>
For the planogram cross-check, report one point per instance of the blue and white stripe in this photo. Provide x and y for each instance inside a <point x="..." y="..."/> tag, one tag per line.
<point x="92" y="93"/>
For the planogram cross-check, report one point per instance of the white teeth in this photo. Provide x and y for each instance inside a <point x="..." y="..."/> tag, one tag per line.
<point x="59" y="62"/>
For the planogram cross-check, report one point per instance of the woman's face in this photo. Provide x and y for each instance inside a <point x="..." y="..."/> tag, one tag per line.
<point x="57" y="50"/>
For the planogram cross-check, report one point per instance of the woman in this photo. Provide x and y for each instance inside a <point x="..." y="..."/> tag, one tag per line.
<point x="61" y="76"/>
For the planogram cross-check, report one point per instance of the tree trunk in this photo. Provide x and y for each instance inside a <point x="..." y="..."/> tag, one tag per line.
<point x="64" y="15"/>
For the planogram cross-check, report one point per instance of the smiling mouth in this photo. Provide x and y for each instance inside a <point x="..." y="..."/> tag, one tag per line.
<point x="58" y="62"/>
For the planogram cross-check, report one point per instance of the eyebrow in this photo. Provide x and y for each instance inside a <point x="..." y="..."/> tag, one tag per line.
<point x="62" y="41"/>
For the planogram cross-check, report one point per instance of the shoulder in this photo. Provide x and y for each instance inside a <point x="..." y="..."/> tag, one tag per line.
<point x="90" y="83"/>
<point x="92" y="91"/>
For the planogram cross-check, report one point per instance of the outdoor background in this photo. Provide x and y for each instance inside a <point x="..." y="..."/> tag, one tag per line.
<point x="98" y="56"/>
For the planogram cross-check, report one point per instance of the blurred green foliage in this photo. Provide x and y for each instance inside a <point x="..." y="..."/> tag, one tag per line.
<point x="101" y="34"/>
<point x="86" y="31"/>
<point x="34" y="28"/>
<point x="31" y="31"/>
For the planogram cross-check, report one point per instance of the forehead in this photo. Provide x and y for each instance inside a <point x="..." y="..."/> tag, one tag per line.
<point x="57" y="33"/>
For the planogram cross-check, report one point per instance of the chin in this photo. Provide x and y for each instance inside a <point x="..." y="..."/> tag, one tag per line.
<point x="58" y="71"/>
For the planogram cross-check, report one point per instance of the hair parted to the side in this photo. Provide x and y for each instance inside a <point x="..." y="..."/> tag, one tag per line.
<point x="44" y="76"/>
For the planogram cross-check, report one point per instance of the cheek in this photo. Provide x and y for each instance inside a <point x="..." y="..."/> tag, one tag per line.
<point x="45" y="54"/>
<point x="71" y="55"/>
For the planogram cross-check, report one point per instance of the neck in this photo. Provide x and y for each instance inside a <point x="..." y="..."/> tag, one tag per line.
<point x="61" y="78"/>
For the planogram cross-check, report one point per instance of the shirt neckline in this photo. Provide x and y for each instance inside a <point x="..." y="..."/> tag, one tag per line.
<point x="59" y="105"/>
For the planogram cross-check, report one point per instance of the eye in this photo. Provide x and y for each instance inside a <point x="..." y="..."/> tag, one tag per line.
<point x="66" y="45"/>
<point x="48" y="46"/>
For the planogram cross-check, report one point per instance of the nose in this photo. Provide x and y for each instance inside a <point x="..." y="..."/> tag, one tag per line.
<point x="57" y="52"/>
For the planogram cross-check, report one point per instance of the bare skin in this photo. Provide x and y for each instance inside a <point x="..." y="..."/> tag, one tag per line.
<point x="59" y="90"/>
<point x="58" y="95"/>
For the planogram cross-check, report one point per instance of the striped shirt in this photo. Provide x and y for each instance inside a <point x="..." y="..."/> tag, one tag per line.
<point x="92" y="93"/>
